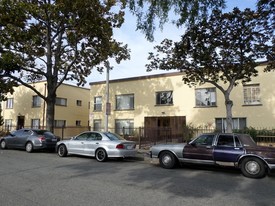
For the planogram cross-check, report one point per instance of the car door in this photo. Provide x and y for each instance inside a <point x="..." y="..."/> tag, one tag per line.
<point x="228" y="148"/>
<point x="22" y="137"/>
<point x="12" y="138"/>
<point x="200" y="149"/>
<point x="77" y="144"/>
<point x="93" y="142"/>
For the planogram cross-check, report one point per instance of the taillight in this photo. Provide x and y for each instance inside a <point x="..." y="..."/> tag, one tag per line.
<point x="42" y="138"/>
<point x="120" y="146"/>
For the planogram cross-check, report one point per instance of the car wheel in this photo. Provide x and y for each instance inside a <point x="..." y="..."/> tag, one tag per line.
<point x="167" y="160"/>
<point x="29" y="147"/>
<point x="253" y="167"/>
<point x="101" y="155"/>
<point x="3" y="144"/>
<point x="62" y="151"/>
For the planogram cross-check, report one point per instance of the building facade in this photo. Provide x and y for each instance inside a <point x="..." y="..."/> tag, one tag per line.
<point x="164" y="101"/>
<point x="24" y="108"/>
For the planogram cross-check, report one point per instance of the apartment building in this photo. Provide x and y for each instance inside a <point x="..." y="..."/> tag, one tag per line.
<point x="160" y="101"/>
<point x="24" y="108"/>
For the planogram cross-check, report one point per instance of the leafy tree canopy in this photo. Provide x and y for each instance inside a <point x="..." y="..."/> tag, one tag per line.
<point x="266" y="8"/>
<point x="59" y="40"/>
<point x="62" y="39"/>
<point x="187" y="12"/>
<point x="222" y="50"/>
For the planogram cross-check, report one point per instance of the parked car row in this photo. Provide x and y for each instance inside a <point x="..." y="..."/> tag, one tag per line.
<point x="101" y="145"/>
<point x="227" y="150"/>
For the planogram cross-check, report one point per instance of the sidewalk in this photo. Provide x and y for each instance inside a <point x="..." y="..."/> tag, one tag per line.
<point x="143" y="155"/>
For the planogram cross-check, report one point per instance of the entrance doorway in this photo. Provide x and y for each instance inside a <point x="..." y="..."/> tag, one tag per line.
<point x="20" y="122"/>
<point x="165" y="128"/>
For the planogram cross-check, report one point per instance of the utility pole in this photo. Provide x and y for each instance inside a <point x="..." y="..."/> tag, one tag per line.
<point x="108" y="104"/>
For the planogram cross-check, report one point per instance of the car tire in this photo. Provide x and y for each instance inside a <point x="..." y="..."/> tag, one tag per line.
<point x="253" y="167"/>
<point x="29" y="147"/>
<point x="167" y="160"/>
<point x="3" y="144"/>
<point x="62" y="151"/>
<point x="101" y="155"/>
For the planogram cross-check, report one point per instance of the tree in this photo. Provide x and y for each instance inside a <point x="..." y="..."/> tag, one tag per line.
<point x="185" y="11"/>
<point x="221" y="50"/>
<point x="59" y="40"/>
<point x="6" y="84"/>
<point x="266" y="9"/>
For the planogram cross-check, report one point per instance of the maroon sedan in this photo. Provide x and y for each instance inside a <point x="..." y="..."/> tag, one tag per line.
<point x="236" y="150"/>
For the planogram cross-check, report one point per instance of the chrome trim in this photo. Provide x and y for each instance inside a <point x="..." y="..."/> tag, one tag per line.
<point x="197" y="161"/>
<point x="271" y="166"/>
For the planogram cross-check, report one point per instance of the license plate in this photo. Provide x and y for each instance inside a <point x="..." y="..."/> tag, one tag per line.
<point x="129" y="147"/>
<point x="54" y="140"/>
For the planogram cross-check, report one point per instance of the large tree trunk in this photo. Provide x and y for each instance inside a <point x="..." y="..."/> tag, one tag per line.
<point x="50" y="100"/>
<point x="228" y="105"/>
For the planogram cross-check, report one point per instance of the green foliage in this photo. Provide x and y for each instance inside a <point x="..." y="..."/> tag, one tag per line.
<point x="248" y="130"/>
<point x="186" y="12"/>
<point x="221" y="50"/>
<point x="254" y="133"/>
<point x="58" y="41"/>
<point x="189" y="132"/>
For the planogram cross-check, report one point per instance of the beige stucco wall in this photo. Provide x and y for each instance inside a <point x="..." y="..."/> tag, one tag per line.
<point x="23" y="105"/>
<point x="144" y="90"/>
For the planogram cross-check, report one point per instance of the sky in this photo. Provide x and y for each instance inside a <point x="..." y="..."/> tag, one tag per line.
<point x="140" y="47"/>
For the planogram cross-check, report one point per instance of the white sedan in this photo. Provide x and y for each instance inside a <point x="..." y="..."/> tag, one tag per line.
<point x="100" y="145"/>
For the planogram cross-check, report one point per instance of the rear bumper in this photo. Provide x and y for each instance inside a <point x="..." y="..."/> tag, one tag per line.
<point x="122" y="153"/>
<point x="50" y="146"/>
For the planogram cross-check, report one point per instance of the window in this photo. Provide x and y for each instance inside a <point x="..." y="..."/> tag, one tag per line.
<point x="204" y="139"/>
<point x="60" y="123"/>
<point x="238" y="123"/>
<point x="98" y="104"/>
<point x="9" y="103"/>
<point x="125" y="102"/>
<point x="226" y="141"/>
<point x="61" y="101"/>
<point x="77" y="123"/>
<point x="78" y="102"/>
<point x="36" y="101"/>
<point x="251" y="94"/>
<point x="83" y="136"/>
<point x="35" y="123"/>
<point x="164" y="98"/>
<point x="124" y="127"/>
<point x="8" y="124"/>
<point x="205" y="97"/>
<point x="97" y="125"/>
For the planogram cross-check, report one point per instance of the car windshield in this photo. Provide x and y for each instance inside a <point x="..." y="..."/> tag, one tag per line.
<point x="113" y="136"/>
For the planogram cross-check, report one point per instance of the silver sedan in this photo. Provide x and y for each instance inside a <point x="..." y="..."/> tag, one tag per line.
<point x="100" y="145"/>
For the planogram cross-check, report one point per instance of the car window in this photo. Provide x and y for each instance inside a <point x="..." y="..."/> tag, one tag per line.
<point x="113" y="136"/>
<point x="94" y="136"/>
<point x="25" y="133"/>
<point x="226" y="141"/>
<point x="204" y="139"/>
<point x="82" y="136"/>
<point x="16" y="133"/>
<point x="237" y="141"/>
